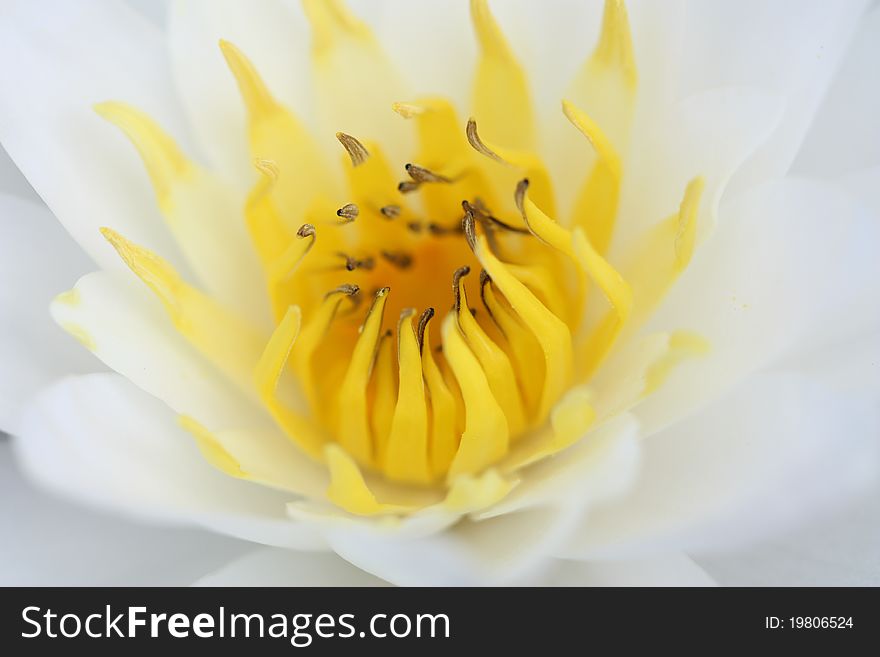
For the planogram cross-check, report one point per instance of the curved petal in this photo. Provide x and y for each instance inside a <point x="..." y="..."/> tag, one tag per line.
<point x="99" y="439"/>
<point x="272" y="34"/>
<point x="60" y="60"/>
<point x="274" y="567"/>
<point x="839" y="551"/>
<point x="37" y="261"/>
<point x="49" y="542"/>
<point x="793" y="48"/>
<point x="780" y="449"/>
<point x="489" y="552"/>
<point x="845" y="133"/>
<point x="602" y="464"/>
<point x="709" y="134"/>
<point x="13" y="182"/>
<point x="129" y="330"/>
<point x="791" y="267"/>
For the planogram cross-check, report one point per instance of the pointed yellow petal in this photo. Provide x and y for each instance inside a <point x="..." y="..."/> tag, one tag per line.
<point x="200" y="210"/>
<point x="277" y="136"/>
<point x="267" y="375"/>
<point x="486" y="435"/>
<point x="554" y="336"/>
<point x="348" y="489"/>
<point x="502" y="102"/>
<point x="406" y="456"/>
<point x="445" y="435"/>
<point x="353" y="421"/>
<point x="496" y="366"/>
<point x="226" y="339"/>
<point x="595" y="208"/>
<point x="664" y="253"/>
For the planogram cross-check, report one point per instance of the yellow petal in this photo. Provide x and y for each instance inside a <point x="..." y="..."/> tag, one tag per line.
<point x="406" y="456"/>
<point x="486" y="433"/>
<point x="226" y="339"/>
<point x="502" y="101"/>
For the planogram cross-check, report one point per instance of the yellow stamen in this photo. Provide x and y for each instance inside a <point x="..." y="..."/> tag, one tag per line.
<point x="353" y="411"/>
<point x="406" y="456"/>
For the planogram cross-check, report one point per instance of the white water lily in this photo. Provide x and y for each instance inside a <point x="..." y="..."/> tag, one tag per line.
<point x="674" y="341"/>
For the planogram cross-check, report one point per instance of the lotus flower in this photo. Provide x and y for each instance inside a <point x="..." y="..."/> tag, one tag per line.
<point x="546" y="293"/>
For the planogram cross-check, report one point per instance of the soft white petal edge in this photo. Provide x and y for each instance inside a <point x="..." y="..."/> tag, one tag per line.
<point x="37" y="261"/>
<point x="99" y="439"/>
<point x="845" y="134"/>
<point x="276" y="567"/>
<point x="57" y="60"/>
<point x="673" y="569"/>
<point x="791" y="268"/>
<point x="513" y="542"/>
<point x="51" y="542"/>
<point x="782" y="448"/>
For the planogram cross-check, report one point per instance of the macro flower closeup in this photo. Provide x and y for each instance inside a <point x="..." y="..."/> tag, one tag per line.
<point x="460" y="293"/>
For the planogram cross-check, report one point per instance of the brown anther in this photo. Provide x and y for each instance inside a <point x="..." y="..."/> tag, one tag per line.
<point x="481" y="212"/>
<point x="348" y="289"/>
<point x="423" y="325"/>
<point x="456" y="289"/>
<point x="355" y="149"/>
<point x="519" y="196"/>
<point x="469" y="228"/>
<point x="354" y="263"/>
<point x="390" y="211"/>
<point x="306" y="230"/>
<point x="399" y="259"/>
<point x="477" y="143"/>
<point x="349" y="212"/>
<point x="423" y="175"/>
<point x="407" y="186"/>
<point x="415" y="226"/>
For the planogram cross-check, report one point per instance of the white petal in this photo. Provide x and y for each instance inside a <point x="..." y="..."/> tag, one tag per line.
<point x="865" y="186"/>
<point x="100" y="440"/>
<point x="128" y="329"/>
<point x="510" y="541"/>
<point x="709" y="134"/>
<point x="49" y="542"/>
<point x="37" y="261"/>
<point x="839" y="551"/>
<point x="599" y="466"/>
<point x="432" y="43"/>
<point x="779" y="450"/>
<point x="154" y="10"/>
<point x="790" y="268"/>
<point x="668" y="570"/>
<point x="845" y="134"/>
<point x="489" y="552"/>
<point x="13" y="182"/>
<point x="274" y="567"/>
<point x="272" y="34"/>
<point x="61" y="59"/>
<point x="850" y="367"/>
<point x="790" y="47"/>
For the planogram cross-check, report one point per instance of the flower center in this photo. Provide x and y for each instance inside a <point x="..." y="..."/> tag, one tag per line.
<point x="414" y="401"/>
<point x="427" y="317"/>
